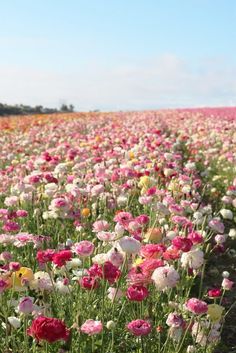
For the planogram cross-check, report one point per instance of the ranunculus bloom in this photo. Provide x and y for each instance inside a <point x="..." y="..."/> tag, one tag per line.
<point x="25" y="305"/>
<point x="91" y="327"/>
<point x="174" y="320"/>
<point x="192" y="259"/>
<point x="60" y="258"/>
<point x="139" y="327"/>
<point x="84" y="248"/>
<point x="165" y="277"/>
<point x="227" y="284"/>
<point x="214" y="293"/>
<point x="153" y="234"/>
<point x="3" y="285"/>
<point x="44" y="256"/>
<point x="89" y="282"/>
<point x="217" y="225"/>
<point x="182" y="243"/>
<point x="137" y="293"/>
<point x="152" y="250"/>
<point x="48" y="329"/>
<point x="110" y="272"/>
<point x="22" y="277"/>
<point x="130" y="245"/>
<point x="196" y="306"/>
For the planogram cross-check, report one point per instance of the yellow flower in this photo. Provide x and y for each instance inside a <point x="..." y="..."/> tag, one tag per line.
<point x="138" y="261"/>
<point x="144" y="181"/>
<point x="215" y="312"/>
<point x="131" y="154"/>
<point x="20" y="277"/>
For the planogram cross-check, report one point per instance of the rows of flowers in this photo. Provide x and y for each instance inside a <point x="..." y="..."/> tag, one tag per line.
<point x="109" y="224"/>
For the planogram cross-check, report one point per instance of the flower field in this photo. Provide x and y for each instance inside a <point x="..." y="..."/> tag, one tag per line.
<point x="118" y="232"/>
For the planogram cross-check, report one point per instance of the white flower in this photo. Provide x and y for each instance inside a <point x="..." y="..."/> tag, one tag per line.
<point x="61" y="287"/>
<point x="165" y="277"/>
<point x="232" y="233"/>
<point x="100" y="259"/>
<point x="73" y="264"/>
<point x="50" y="189"/>
<point x="41" y="281"/>
<point x="110" y="325"/>
<point x="225" y="274"/>
<point x="119" y="230"/>
<point x="193" y="259"/>
<point x="122" y="200"/>
<point x="171" y="235"/>
<point x="175" y="333"/>
<point x="226" y="214"/>
<point x="14" y="321"/>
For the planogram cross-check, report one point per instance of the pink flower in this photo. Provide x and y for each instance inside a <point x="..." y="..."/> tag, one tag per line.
<point x="3" y="285"/>
<point x="139" y="327"/>
<point x="21" y="213"/>
<point x="10" y="226"/>
<point x="149" y="265"/>
<point x="124" y="218"/>
<point x="84" y="248"/>
<point x="227" y="284"/>
<point x="217" y="225"/>
<point x="174" y="320"/>
<point x="5" y="256"/>
<point x="14" y="266"/>
<point x="182" y="243"/>
<point x="91" y="327"/>
<point x="142" y="219"/>
<point x="114" y="293"/>
<point x="137" y="293"/>
<point x="44" y="256"/>
<point x="195" y="237"/>
<point x="100" y="226"/>
<point x="196" y="306"/>
<point x="26" y="305"/>
<point x="129" y="245"/>
<point x="115" y="257"/>
<point x="152" y="250"/>
<point x="106" y="236"/>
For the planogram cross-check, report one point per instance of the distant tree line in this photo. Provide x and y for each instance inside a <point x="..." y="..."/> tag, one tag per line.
<point x="21" y="109"/>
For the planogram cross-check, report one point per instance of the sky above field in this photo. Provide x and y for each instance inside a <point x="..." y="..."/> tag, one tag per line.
<point x="118" y="54"/>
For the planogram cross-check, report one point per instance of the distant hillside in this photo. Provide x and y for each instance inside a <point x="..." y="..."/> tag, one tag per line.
<point x="6" y="109"/>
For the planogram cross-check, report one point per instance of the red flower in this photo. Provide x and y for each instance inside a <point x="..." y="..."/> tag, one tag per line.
<point x="214" y="293"/>
<point x="110" y="272"/>
<point x="137" y="293"/>
<point x="60" y="258"/>
<point x="48" y="329"/>
<point x="182" y="243"/>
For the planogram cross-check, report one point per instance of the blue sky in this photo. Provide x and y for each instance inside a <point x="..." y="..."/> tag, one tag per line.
<point x="118" y="54"/>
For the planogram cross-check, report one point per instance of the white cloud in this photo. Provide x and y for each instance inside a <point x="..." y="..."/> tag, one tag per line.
<point x="166" y="81"/>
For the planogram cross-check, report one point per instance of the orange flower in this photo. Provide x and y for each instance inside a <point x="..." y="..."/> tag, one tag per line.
<point x="153" y="234"/>
<point x="85" y="212"/>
